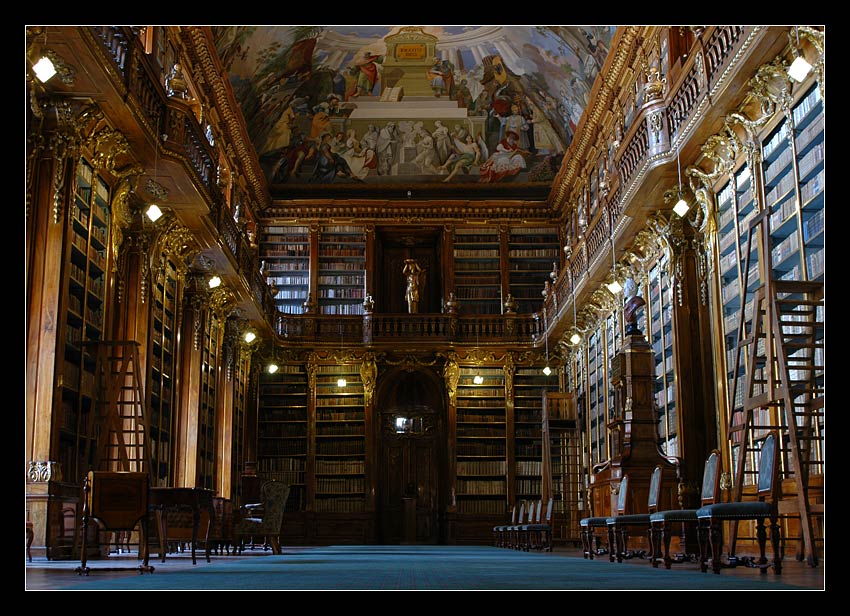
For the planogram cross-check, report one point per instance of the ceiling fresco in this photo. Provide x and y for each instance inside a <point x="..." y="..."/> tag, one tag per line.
<point x="398" y="106"/>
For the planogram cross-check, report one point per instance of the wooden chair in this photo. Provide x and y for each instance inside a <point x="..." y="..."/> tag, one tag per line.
<point x="525" y="529"/>
<point x="619" y="525"/>
<point x="263" y="519"/>
<point x="499" y="532"/>
<point x="589" y="541"/>
<point x="539" y="534"/>
<point x="512" y="532"/>
<point x="711" y="517"/>
<point x="662" y="522"/>
<point x="116" y="501"/>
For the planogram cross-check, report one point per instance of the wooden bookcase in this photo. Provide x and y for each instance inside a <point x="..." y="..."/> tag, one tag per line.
<point x="285" y="250"/>
<point x="529" y="385"/>
<point x="596" y="399"/>
<point x="207" y="458"/>
<point x="84" y="299"/>
<point x="660" y="335"/>
<point x="792" y="175"/>
<point x="242" y="378"/>
<point x="481" y="464"/>
<point x="340" y="446"/>
<point x="283" y="425"/>
<point x="163" y="340"/>
<point x="532" y="254"/>
<point x="342" y="269"/>
<point x="478" y="269"/>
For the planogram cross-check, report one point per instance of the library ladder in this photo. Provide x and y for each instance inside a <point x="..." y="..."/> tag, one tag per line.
<point x="562" y="464"/>
<point x="783" y="382"/>
<point x="121" y="432"/>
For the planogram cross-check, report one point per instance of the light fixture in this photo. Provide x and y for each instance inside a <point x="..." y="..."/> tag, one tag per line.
<point x="575" y="338"/>
<point x="44" y="69"/>
<point x="249" y="337"/>
<point x="681" y="207"/>
<point x="800" y="67"/>
<point x="613" y="286"/>
<point x="272" y="368"/>
<point x="477" y="379"/>
<point x="546" y="370"/>
<point x="215" y="282"/>
<point x="153" y="212"/>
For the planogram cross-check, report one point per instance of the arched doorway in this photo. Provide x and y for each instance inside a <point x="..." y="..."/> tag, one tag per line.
<point x="411" y="456"/>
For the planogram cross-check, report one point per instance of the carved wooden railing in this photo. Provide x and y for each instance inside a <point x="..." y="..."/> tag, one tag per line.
<point x="379" y="328"/>
<point x="646" y="145"/>
<point x="184" y="140"/>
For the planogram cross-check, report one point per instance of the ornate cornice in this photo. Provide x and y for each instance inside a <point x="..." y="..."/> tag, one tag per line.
<point x="205" y="63"/>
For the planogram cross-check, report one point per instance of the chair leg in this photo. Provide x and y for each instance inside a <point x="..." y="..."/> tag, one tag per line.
<point x="761" y="534"/>
<point x="612" y="544"/>
<point x="654" y="545"/>
<point x="275" y="541"/>
<point x="775" y="537"/>
<point x="704" y="546"/>
<point x="716" y="539"/>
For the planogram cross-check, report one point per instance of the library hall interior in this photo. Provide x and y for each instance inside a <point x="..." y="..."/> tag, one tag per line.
<point x="425" y="308"/>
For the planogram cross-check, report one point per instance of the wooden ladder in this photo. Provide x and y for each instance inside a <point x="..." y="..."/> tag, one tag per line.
<point x="783" y="383"/>
<point x="120" y="429"/>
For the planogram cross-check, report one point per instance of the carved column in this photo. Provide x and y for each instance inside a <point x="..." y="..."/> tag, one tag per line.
<point x="451" y="374"/>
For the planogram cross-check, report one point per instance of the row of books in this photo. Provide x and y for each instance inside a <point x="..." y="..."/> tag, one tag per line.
<point x="812" y="159"/>
<point x="345" y="309"/>
<point x="528" y="486"/>
<point x="779" y="138"/>
<point x="816" y="263"/>
<point x="467" y="268"/>
<point x="784" y="249"/>
<point x="283" y="430"/>
<point x="341" y="293"/>
<point x="529" y="450"/>
<point x="472" y="390"/>
<point x="278" y="447"/>
<point x="774" y="168"/>
<point x="343" y="229"/>
<point x="480" y="487"/>
<point x="341" y="250"/>
<point x="529" y="467"/>
<point x="473" y="506"/>
<point x="534" y="253"/>
<point x="813" y="226"/>
<point x="479" y="292"/>
<point x="805" y="106"/>
<point x="780" y="191"/>
<point x="479" y="253"/>
<point x="293" y="465"/>
<point x="289" y="281"/>
<point x="341" y="485"/>
<point x="527" y="432"/>
<point x="340" y="467"/>
<point x="493" y="449"/>
<point x="466" y="430"/>
<point x="340" y="447"/>
<point x="812" y="188"/>
<point x="340" y="429"/>
<point x="286" y="250"/>
<point x="344" y="504"/>
<point x="288" y="477"/>
<point x="811" y="132"/>
<point x="481" y="467"/>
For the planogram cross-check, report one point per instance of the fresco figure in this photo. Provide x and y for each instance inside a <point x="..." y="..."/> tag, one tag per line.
<point x="330" y="165"/>
<point x="365" y="72"/>
<point x="387" y="149"/>
<point x="507" y="160"/>
<point x="466" y="153"/>
<point x="442" y="78"/>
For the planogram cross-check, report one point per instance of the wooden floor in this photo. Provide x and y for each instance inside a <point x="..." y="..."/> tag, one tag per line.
<point x="42" y="574"/>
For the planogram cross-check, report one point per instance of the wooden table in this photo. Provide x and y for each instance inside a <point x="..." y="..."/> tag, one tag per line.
<point x="194" y="500"/>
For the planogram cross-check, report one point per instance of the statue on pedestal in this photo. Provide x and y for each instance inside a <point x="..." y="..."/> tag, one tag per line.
<point x="414" y="275"/>
<point x="633" y="302"/>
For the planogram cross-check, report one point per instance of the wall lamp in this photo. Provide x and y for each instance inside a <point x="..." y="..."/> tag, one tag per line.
<point x="214" y="283"/>
<point x="681" y="207"/>
<point x="800" y="67"/>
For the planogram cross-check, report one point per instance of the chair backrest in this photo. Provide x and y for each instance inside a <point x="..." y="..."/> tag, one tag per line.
<point x="768" y="466"/>
<point x="538" y="506"/>
<point x="711" y="479"/>
<point x="275" y="494"/>
<point x="654" y="489"/>
<point x="513" y="515"/>
<point x="550" y="508"/>
<point x="521" y="516"/>
<point x="623" y="495"/>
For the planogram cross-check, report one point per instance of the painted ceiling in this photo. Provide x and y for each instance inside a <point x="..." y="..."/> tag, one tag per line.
<point x="477" y="108"/>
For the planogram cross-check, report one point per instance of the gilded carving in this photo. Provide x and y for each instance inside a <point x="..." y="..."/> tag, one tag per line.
<point x="656" y="123"/>
<point x="816" y="38"/>
<point x="510" y="370"/>
<point x="369" y="375"/>
<point x="312" y="370"/>
<point x="451" y="374"/>
<point x="41" y="471"/>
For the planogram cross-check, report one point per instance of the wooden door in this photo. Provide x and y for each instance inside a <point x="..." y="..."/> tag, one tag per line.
<point x="410" y="474"/>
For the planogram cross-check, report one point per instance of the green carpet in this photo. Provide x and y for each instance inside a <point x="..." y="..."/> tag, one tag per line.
<point x="425" y="568"/>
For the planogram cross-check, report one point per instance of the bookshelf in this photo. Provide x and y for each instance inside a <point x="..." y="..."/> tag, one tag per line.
<point x="477" y="269"/>
<point x="792" y="175"/>
<point x="531" y="255"/>
<point x="529" y="385"/>
<point x="342" y="269"/>
<point x="162" y="371"/>
<point x="86" y="264"/>
<point x="340" y="458"/>
<point x="207" y="403"/>
<point x="597" y="393"/>
<point x="481" y="442"/>
<point x="285" y="250"/>
<point x="660" y="314"/>
<point x="241" y="378"/>
<point x="282" y="428"/>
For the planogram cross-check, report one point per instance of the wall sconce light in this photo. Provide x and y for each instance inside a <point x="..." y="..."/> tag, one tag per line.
<point x="153" y="212"/>
<point x="341" y="382"/>
<point x="800" y="67"/>
<point x="546" y="370"/>
<point x="272" y="368"/>
<point x="681" y="207"/>
<point x="44" y="69"/>
<point x="575" y="338"/>
<point x="249" y="337"/>
<point x="215" y="282"/>
<point x="478" y="379"/>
